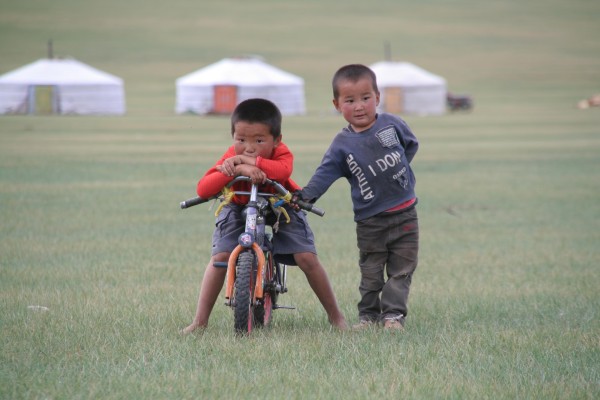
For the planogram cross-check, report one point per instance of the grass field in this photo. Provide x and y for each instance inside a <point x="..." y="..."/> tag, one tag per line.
<point x="504" y="304"/>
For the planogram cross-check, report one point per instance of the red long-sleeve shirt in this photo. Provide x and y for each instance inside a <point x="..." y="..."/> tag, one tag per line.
<point x="278" y="168"/>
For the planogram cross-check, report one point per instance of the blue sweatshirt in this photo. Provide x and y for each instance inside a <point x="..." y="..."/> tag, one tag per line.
<point x="376" y="163"/>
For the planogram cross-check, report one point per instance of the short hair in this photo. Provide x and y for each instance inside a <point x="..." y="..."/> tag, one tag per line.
<point x="353" y="72"/>
<point x="258" y="111"/>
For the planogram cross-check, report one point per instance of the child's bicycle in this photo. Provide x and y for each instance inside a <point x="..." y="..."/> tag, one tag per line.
<point x="254" y="279"/>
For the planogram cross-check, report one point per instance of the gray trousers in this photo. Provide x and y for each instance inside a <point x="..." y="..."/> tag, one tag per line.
<point x="388" y="247"/>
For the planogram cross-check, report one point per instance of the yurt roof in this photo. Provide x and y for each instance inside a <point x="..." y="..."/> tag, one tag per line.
<point x="58" y="71"/>
<point x="240" y="71"/>
<point x="392" y="73"/>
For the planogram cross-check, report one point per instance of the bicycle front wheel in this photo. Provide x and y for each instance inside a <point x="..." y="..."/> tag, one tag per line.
<point x="245" y="279"/>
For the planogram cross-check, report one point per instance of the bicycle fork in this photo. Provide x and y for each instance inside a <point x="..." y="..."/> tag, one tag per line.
<point x="248" y="240"/>
<point x="231" y="272"/>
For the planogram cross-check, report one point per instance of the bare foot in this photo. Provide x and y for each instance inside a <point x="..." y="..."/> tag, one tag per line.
<point x="191" y="328"/>
<point x="340" y="324"/>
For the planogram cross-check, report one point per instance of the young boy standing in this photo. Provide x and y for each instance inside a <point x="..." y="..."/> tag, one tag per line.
<point x="374" y="153"/>
<point x="259" y="153"/>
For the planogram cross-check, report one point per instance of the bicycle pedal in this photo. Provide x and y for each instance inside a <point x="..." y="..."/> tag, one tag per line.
<point x="284" y="307"/>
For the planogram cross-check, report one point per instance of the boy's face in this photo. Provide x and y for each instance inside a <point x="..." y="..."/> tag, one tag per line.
<point x="254" y="140"/>
<point x="357" y="101"/>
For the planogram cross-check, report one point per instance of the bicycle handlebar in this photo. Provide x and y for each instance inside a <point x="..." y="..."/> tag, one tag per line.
<point x="192" y="202"/>
<point x="310" y="207"/>
<point x="278" y="187"/>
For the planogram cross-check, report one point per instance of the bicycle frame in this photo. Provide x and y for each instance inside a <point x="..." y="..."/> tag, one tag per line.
<point x="252" y="238"/>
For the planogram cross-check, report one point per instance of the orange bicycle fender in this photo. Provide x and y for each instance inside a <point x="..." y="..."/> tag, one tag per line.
<point x="231" y="271"/>
<point x="258" y="289"/>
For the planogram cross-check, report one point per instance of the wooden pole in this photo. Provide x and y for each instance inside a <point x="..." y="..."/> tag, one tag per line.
<point x="387" y="51"/>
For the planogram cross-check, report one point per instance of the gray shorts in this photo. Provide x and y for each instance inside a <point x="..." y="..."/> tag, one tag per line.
<point x="292" y="238"/>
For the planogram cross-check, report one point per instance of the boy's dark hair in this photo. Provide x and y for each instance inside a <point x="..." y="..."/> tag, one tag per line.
<point x="353" y="72"/>
<point x="258" y="111"/>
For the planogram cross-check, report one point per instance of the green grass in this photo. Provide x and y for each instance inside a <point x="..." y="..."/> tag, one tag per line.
<point x="504" y="303"/>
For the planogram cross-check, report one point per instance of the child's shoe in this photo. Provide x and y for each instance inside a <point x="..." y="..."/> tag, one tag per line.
<point x="364" y="324"/>
<point x="394" y="323"/>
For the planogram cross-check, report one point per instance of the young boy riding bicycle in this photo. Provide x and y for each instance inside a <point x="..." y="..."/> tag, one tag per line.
<point x="259" y="153"/>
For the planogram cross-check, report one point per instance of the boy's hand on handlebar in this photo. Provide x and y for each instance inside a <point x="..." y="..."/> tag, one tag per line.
<point x="222" y="170"/>
<point x="298" y="203"/>
<point x="228" y="166"/>
<point x="242" y="165"/>
<point x="256" y="174"/>
<point x="296" y="196"/>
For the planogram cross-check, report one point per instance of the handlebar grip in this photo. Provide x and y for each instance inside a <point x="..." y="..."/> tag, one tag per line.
<point x="317" y="211"/>
<point x="310" y="207"/>
<point x="192" y="202"/>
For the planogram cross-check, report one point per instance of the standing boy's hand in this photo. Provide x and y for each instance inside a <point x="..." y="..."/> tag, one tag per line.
<point x="296" y="196"/>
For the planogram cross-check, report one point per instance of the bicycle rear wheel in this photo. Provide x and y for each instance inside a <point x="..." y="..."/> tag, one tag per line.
<point x="245" y="279"/>
<point x="263" y="310"/>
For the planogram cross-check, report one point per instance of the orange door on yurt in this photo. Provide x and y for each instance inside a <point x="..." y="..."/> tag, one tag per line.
<point x="225" y="99"/>
<point x="394" y="100"/>
<point x="42" y="100"/>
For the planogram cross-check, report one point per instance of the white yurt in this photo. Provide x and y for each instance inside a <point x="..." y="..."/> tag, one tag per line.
<point x="219" y="87"/>
<point x="61" y="86"/>
<point x="408" y="89"/>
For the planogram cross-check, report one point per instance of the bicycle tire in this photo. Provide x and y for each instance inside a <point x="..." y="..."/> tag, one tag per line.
<point x="264" y="310"/>
<point x="244" y="293"/>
